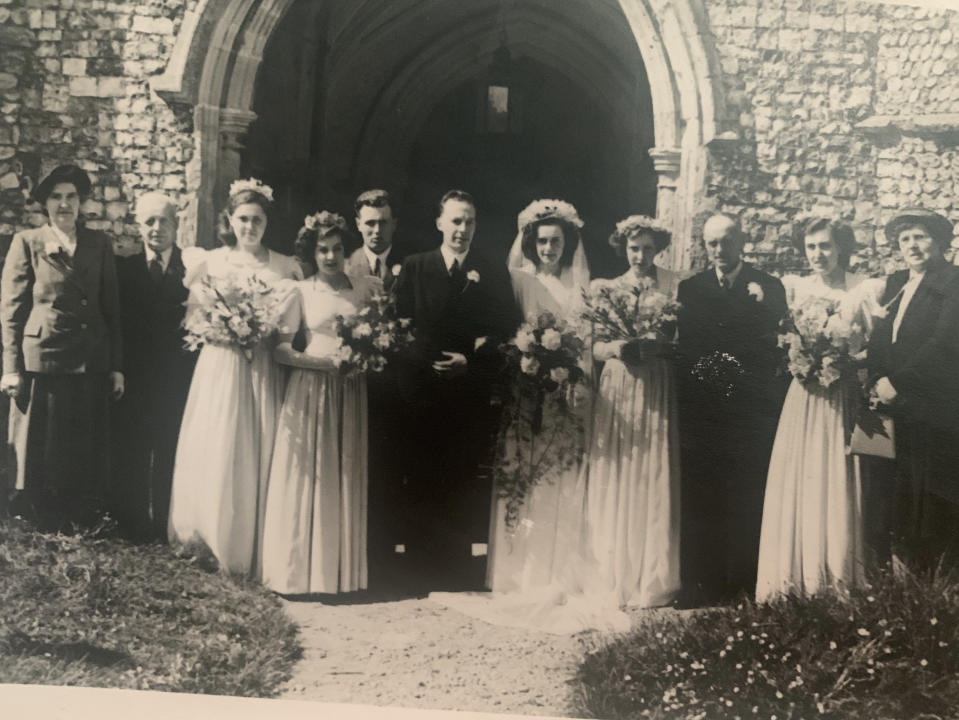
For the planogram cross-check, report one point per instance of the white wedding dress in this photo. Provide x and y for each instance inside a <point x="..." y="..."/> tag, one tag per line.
<point x="539" y="576"/>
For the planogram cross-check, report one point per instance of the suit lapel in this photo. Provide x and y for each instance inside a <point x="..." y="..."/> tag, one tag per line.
<point x="437" y="279"/>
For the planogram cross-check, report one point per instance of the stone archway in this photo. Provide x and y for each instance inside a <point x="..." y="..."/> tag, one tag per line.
<point x="212" y="72"/>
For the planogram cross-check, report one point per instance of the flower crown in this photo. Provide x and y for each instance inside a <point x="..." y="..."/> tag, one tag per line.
<point x="253" y="185"/>
<point x="639" y="223"/>
<point x="545" y="209"/>
<point x="324" y="221"/>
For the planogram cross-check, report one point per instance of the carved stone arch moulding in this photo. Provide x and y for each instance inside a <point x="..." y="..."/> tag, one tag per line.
<point x="213" y="68"/>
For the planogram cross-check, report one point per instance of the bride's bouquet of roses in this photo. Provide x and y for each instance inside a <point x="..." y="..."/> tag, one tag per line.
<point x="821" y="342"/>
<point x="372" y="336"/>
<point x="541" y="434"/>
<point x="238" y="310"/>
<point x="639" y="313"/>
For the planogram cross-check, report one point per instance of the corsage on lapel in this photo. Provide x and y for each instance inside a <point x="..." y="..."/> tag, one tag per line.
<point x="55" y="254"/>
<point x="395" y="270"/>
<point x="755" y="290"/>
<point x="472" y="277"/>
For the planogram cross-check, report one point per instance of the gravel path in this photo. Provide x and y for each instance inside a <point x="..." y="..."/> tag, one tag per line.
<point x="414" y="653"/>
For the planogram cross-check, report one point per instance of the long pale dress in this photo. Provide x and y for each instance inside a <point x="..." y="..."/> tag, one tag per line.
<point x="812" y="534"/>
<point x="315" y="529"/>
<point x="223" y="454"/>
<point x="539" y="574"/>
<point x="633" y="476"/>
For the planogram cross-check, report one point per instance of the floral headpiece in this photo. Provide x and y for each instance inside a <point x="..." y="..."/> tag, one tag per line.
<point x="325" y="222"/>
<point x="253" y="185"/>
<point x="635" y="224"/>
<point x="548" y="209"/>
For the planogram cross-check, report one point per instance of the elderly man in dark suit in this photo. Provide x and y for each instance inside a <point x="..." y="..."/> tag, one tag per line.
<point x="158" y="372"/>
<point x="462" y="307"/>
<point x="731" y="396"/>
<point x="376" y="222"/>
<point x="913" y="357"/>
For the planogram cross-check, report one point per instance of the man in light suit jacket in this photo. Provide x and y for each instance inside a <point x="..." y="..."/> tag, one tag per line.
<point x="732" y="308"/>
<point x="913" y="357"/>
<point x="387" y="500"/>
<point x="158" y="372"/>
<point x="462" y="307"/>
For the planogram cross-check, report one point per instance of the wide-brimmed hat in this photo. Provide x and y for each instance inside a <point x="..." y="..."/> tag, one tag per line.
<point x="938" y="226"/>
<point x="62" y="174"/>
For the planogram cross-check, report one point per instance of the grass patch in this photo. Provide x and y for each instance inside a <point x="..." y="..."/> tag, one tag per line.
<point x="890" y="650"/>
<point x="97" y="611"/>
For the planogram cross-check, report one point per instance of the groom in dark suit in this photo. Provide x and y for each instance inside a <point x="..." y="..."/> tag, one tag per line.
<point x="158" y="371"/>
<point x="731" y="395"/>
<point x="462" y="307"/>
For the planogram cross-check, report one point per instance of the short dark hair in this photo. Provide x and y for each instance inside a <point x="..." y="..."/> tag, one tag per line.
<point x="304" y="247"/>
<point x="224" y="230"/>
<point x="374" y="198"/>
<point x="570" y="240"/>
<point x="840" y="233"/>
<point x="460" y="195"/>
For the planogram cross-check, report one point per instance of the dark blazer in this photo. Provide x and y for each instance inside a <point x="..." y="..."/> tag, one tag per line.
<point x="359" y="265"/>
<point x="152" y="317"/>
<point x="452" y="318"/>
<point x="60" y="315"/>
<point x="922" y="363"/>
<point x="735" y="322"/>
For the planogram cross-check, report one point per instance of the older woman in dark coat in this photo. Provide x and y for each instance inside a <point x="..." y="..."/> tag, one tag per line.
<point x="60" y="326"/>
<point x="913" y="356"/>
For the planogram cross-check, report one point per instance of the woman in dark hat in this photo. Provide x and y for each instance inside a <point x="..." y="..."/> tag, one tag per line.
<point x="59" y="319"/>
<point x="913" y="355"/>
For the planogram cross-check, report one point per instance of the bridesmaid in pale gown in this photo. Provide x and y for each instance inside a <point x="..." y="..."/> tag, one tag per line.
<point x="315" y="529"/>
<point x="226" y="438"/>
<point x="633" y="478"/>
<point x="811" y="538"/>
<point x="549" y="272"/>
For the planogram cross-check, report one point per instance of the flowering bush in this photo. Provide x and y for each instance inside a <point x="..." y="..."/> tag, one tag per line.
<point x="885" y="651"/>
<point x="541" y="434"/>
<point x="637" y="311"/>
<point x="372" y="336"/>
<point x="820" y="342"/>
<point x="239" y="310"/>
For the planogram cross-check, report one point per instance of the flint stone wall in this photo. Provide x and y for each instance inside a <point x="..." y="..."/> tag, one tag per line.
<point x="847" y="108"/>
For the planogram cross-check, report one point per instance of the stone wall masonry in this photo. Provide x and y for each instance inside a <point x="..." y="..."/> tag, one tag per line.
<point x="843" y="107"/>
<point x="805" y="82"/>
<point x="74" y="88"/>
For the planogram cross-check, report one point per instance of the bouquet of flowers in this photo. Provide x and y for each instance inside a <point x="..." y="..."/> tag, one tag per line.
<point x="239" y="310"/>
<point x="719" y="372"/>
<point x="370" y="337"/>
<point x="637" y="311"/>
<point x="541" y="434"/>
<point x="820" y="342"/>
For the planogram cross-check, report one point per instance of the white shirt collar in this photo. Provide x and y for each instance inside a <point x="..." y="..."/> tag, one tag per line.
<point x="164" y="256"/>
<point x="69" y="243"/>
<point x="730" y="276"/>
<point x="372" y="257"/>
<point x="449" y="256"/>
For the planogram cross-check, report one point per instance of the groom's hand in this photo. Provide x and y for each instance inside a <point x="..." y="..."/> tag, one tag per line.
<point x="451" y="365"/>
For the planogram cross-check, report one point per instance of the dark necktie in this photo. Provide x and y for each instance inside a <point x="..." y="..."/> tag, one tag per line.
<point x="457" y="277"/>
<point x="724" y="283"/>
<point x="378" y="268"/>
<point x="156" y="270"/>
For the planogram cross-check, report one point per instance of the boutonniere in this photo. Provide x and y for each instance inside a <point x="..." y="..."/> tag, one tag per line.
<point x="52" y="248"/>
<point x="755" y="290"/>
<point x="472" y="277"/>
<point x="396" y="269"/>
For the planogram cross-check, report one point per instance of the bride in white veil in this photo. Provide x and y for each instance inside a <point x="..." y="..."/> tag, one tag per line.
<point x="537" y="566"/>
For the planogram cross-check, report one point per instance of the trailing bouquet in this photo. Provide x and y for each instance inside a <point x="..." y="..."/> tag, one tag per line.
<point x="239" y="310"/>
<point x="638" y="313"/>
<point x="369" y="338"/>
<point x="541" y="434"/>
<point x="820" y="342"/>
